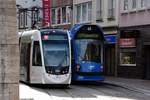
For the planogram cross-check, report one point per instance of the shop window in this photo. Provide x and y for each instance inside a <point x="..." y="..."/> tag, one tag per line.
<point x="128" y="58"/>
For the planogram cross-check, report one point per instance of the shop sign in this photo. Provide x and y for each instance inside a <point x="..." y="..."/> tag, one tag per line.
<point x="110" y="39"/>
<point x="127" y="42"/>
<point x="46" y="12"/>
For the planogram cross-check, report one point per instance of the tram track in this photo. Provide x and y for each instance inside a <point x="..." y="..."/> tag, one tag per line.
<point x="116" y="91"/>
<point x="87" y="92"/>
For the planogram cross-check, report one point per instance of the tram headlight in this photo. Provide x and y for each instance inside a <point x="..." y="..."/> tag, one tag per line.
<point x="65" y="70"/>
<point x="78" y="68"/>
<point x="50" y="72"/>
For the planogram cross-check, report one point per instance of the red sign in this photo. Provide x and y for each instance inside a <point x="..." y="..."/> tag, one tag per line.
<point x="46" y="12"/>
<point x="127" y="42"/>
<point x="46" y="37"/>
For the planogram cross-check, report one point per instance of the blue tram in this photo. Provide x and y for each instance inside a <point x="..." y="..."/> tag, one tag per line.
<point x="87" y="52"/>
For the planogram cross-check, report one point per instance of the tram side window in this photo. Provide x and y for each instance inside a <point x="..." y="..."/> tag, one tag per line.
<point x="36" y="59"/>
<point x="25" y="54"/>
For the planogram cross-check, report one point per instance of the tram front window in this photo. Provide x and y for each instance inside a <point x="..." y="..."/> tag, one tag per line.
<point x="88" y="50"/>
<point x="56" y="55"/>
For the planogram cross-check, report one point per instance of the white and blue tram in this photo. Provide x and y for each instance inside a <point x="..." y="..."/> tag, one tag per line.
<point x="45" y="57"/>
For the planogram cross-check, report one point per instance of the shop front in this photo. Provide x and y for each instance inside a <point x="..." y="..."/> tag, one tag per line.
<point x="128" y="45"/>
<point x="110" y="54"/>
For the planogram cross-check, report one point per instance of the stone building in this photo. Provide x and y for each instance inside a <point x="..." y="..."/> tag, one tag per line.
<point x="134" y="39"/>
<point x="61" y="13"/>
<point x="29" y="13"/>
<point x="106" y="15"/>
<point x="9" y="51"/>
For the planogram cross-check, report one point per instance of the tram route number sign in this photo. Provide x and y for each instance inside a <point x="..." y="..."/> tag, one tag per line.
<point x="87" y="36"/>
<point x="54" y="37"/>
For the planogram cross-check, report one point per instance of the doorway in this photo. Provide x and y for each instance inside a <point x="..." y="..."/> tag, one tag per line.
<point x="110" y="60"/>
<point x="147" y="62"/>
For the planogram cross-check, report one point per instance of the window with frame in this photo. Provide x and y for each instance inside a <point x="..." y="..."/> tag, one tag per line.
<point x="143" y="3"/>
<point x="134" y="4"/>
<point x="69" y="14"/>
<point x="64" y="15"/>
<point x="111" y="9"/>
<point x="23" y="23"/>
<point x="36" y="59"/>
<point x="89" y="11"/>
<point x="148" y="3"/>
<point x="53" y="16"/>
<point x="99" y="10"/>
<point x="21" y="17"/>
<point x="128" y="58"/>
<point x="34" y="18"/>
<point x="126" y="5"/>
<point x="83" y="12"/>
<point x="59" y="16"/>
<point x="78" y="12"/>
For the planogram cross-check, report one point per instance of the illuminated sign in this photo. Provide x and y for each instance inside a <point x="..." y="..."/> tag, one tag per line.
<point x="127" y="42"/>
<point x="87" y="36"/>
<point x="54" y="37"/>
<point x="45" y="37"/>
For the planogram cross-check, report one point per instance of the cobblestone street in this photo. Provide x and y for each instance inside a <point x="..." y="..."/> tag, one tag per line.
<point x="91" y="91"/>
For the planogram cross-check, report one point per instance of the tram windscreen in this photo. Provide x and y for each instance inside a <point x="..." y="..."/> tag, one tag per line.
<point x="56" y="52"/>
<point x="88" y="50"/>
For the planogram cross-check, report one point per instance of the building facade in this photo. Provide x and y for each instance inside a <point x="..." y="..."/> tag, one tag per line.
<point x="82" y="11"/>
<point x="30" y="13"/>
<point x="134" y="39"/>
<point x="61" y="13"/>
<point x="106" y="14"/>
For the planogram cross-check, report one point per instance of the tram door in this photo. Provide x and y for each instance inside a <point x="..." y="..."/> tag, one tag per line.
<point x="147" y="62"/>
<point x="110" y="60"/>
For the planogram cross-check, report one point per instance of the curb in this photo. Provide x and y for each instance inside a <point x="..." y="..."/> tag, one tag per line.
<point x="131" y="88"/>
